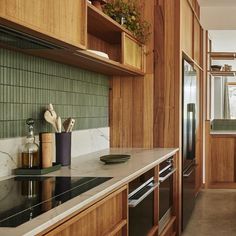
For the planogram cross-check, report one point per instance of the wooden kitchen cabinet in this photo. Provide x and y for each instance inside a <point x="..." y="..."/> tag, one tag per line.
<point x="106" y="217"/>
<point x="106" y="35"/>
<point x="59" y="19"/>
<point x="187" y="28"/>
<point x="221" y="160"/>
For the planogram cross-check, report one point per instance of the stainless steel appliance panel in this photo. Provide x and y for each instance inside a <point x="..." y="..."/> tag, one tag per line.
<point x="188" y="194"/>
<point x="165" y="192"/>
<point x="141" y="204"/>
<point x="189" y="124"/>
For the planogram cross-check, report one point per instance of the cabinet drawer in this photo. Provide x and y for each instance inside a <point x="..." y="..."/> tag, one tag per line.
<point x="133" y="52"/>
<point x="60" y="19"/>
<point x="106" y="217"/>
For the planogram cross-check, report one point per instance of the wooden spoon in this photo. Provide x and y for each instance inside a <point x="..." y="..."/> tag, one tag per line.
<point x="50" y="119"/>
<point x="59" y="124"/>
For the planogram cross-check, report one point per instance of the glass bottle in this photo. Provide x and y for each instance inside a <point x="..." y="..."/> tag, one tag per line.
<point x="30" y="151"/>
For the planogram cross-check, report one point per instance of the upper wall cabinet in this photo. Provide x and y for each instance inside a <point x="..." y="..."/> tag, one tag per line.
<point x="187" y="28"/>
<point x="191" y="31"/>
<point x="95" y="41"/>
<point x="59" y="19"/>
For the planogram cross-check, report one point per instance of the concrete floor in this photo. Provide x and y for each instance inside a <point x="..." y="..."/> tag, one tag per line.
<point x="214" y="214"/>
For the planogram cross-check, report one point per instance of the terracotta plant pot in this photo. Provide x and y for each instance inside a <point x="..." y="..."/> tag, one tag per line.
<point x="98" y="4"/>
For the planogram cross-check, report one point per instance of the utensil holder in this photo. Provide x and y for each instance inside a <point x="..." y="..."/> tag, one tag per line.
<point x="63" y="148"/>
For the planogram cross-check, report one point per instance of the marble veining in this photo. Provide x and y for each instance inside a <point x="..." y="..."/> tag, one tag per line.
<point x="83" y="142"/>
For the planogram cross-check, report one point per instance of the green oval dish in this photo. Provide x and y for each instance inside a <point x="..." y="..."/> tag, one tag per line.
<point x="115" y="158"/>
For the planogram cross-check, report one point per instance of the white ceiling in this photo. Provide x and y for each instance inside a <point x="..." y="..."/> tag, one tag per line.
<point x="223" y="40"/>
<point x="217" y="3"/>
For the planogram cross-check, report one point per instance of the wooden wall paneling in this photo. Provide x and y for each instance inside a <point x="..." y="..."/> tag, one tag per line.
<point x="207" y="153"/>
<point x="138" y="115"/>
<point x="178" y="79"/>
<point x="167" y="69"/>
<point x="235" y="160"/>
<point x="115" y="112"/>
<point x="127" y="111"/>
<point x="197" y="42"/>
<point x="148" y="111"/>
<point x="135" y="99"/>
<point x="159" y="82"/>
<point x="148" y="103"/>
<point x="53" y="18"/>
<point x="187" y="28"/>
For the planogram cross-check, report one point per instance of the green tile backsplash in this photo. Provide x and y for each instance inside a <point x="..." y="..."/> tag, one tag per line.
<point x="28" y="84"/>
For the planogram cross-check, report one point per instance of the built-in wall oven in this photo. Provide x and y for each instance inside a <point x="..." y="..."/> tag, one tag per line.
<point x="166" y="172"/>
<point x="143" y="197"/>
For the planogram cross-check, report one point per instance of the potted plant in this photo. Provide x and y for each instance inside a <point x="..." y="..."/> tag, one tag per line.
<point x="127" y="13"/>
<point x="98" y="3"/>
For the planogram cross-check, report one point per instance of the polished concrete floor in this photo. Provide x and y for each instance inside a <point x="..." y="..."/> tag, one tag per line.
<point x="214" y="214"/>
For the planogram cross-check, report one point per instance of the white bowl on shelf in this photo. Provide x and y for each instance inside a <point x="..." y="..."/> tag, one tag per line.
<point x="99" y="53"/>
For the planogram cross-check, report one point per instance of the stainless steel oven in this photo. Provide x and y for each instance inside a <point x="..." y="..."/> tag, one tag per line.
<point x="166" y="172"/>
<point x="141" y="204"/>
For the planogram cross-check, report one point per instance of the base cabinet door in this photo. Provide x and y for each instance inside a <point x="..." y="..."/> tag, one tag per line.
<point x="106" y="217"/>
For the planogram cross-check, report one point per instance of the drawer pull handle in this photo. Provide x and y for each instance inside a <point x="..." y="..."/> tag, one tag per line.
<point x="162" y="179"/>
<point x="149" y="185"/>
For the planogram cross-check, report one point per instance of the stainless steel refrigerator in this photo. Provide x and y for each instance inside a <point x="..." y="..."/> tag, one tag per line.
<point x="189" y="122"/>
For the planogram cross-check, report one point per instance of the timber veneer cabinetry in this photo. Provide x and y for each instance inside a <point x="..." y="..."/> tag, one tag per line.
<point x="76" y="26"/>
<point x="117" y="214"/>
<point x="192" y="32"/>
<point x="54" y="18"/>
<point x="221" y="159"/>
<point x="106" y="217"/>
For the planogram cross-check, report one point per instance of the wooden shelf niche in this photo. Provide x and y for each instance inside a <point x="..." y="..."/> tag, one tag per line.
<point x="223" y="73"/>
<point x="106" y="35"/>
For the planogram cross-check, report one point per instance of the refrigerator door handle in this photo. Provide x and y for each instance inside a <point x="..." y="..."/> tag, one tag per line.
<point x="191" y="119"/>
<point x="189" y="171"/>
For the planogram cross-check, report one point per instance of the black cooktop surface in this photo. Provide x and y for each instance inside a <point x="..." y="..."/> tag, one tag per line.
<point x="24" y="198"/>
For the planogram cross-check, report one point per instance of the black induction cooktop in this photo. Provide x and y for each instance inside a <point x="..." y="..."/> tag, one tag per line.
<point x="24" y="198"/>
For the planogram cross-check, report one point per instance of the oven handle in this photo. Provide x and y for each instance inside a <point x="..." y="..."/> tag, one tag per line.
<point x="192" y="168"/>
<point x="162" y="179"/>
<point x="134" y="203"/>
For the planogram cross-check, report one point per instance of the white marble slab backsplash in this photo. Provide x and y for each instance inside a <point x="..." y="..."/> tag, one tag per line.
<point x="83" y="142"/>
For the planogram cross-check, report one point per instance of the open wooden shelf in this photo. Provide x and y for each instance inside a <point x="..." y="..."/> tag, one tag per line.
<point x="104" y="34"/>
<point x="223" y="55"/>
<point x="222" y="73"/>
<point x="103" y="26"/>
<point x="86" y="60"/>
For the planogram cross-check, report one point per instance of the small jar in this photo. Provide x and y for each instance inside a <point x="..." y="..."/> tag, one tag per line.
<point x="46" y="147"/>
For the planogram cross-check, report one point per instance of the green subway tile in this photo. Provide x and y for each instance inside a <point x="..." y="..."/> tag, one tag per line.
<point x="28" y="84"/>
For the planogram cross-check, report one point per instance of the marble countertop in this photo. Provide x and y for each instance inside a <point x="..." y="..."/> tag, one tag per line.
<point x="141" y="161"/>
<point x="223" y="132"/>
